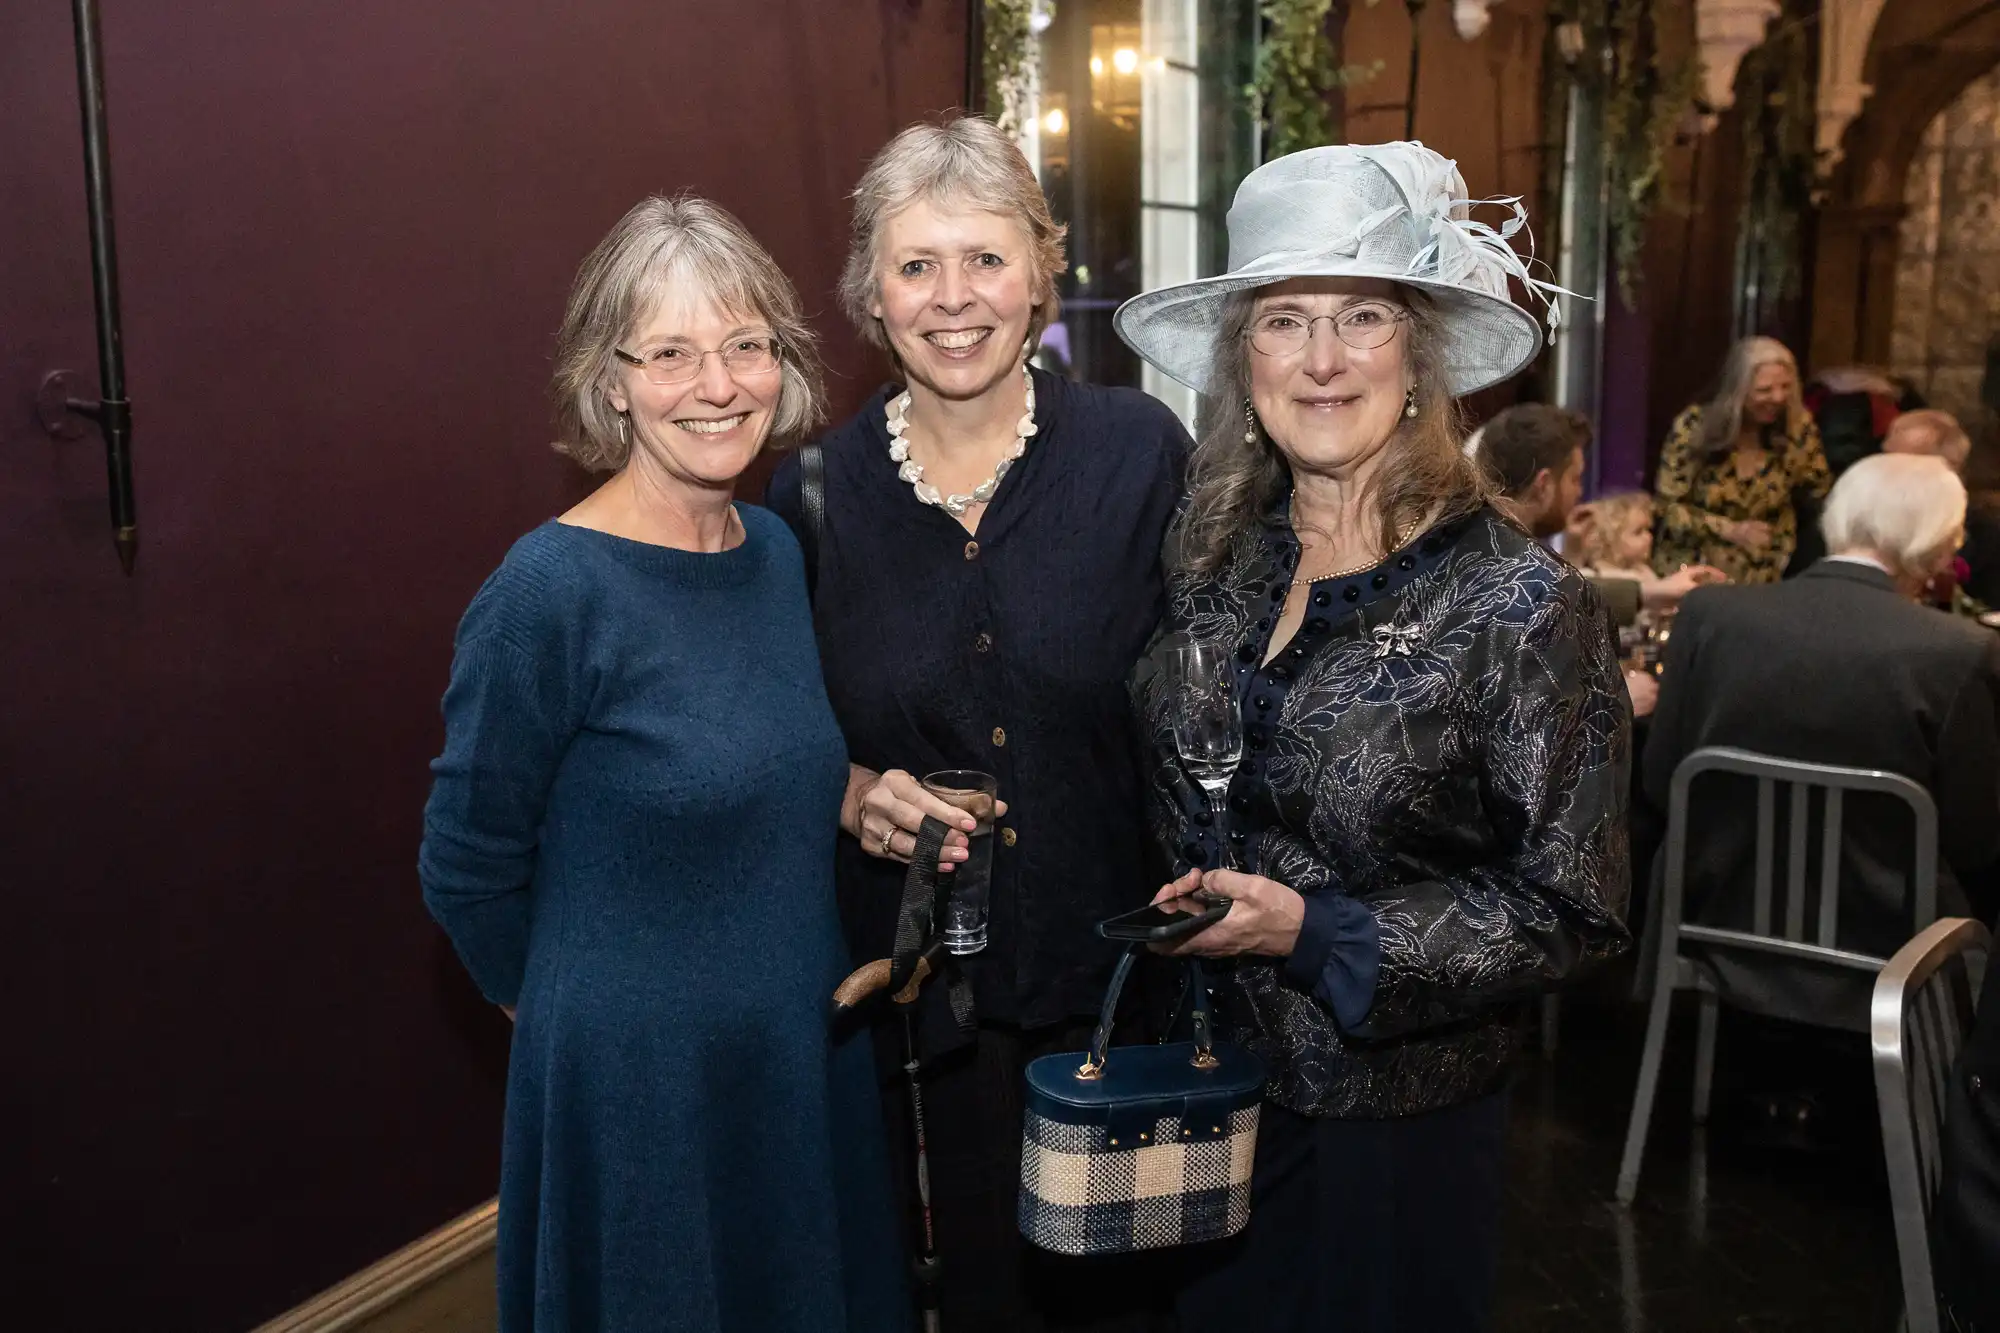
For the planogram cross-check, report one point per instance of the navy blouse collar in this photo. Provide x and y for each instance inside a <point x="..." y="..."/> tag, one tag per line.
<point x="1332" y="600"/>
<point x="1402" y="566"/>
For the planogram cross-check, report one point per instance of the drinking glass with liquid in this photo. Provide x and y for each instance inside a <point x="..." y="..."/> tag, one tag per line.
<point x="971" y="887"/>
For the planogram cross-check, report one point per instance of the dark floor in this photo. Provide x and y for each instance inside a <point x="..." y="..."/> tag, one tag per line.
<point x="1734" y="1228"/>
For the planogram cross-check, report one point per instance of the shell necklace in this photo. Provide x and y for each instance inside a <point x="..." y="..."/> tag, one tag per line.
<point x="913" y="472"/>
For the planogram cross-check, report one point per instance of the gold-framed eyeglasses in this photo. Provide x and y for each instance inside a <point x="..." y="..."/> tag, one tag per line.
<point x="677" y="363"/>
<point x="1364" y="327"/>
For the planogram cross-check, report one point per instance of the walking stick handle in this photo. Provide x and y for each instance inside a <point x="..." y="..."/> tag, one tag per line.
<point x="865" y="981"/>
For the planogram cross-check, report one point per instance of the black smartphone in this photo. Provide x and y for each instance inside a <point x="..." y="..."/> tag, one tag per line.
<point x="1155" y="924"/>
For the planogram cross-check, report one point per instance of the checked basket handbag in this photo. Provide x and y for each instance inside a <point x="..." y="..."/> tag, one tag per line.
<point x="1139" y="1147"/>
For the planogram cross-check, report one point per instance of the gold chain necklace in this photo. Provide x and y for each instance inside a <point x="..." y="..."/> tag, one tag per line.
<point x="1402" y="540"/>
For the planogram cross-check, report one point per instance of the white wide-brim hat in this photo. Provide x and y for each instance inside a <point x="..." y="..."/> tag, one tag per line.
<point x="1397" y="211"/>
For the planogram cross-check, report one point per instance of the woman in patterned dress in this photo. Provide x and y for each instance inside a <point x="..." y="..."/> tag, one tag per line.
<point x="1428" y="824"/>
<point x="1733" y="469"/>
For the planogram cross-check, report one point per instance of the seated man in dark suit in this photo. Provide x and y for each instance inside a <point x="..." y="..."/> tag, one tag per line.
<point x="1840" y="666"/>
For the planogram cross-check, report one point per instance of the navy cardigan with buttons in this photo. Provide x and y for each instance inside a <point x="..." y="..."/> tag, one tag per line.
<point x="1008" y="651"/>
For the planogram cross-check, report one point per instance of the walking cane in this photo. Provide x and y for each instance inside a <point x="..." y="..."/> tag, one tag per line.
<point x="919" y="954"/>
<point x="861" y="984"/>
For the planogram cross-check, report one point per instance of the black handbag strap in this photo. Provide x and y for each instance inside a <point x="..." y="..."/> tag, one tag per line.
<point x="924" y="894"/>
<point x="1194" y="997"/>
<point x="1196" y="993"/>
<point x="812" y="504"/>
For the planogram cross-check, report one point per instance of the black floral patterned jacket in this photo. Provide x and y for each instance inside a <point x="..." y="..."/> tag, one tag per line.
<point x="1438" y="762"/>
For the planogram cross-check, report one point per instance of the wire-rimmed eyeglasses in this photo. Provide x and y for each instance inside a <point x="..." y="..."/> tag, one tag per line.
<point x="677" y="363"/>
<point x="1364" y="327"/>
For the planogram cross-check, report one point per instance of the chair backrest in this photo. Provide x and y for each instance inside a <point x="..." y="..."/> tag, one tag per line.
<point x="1919" y="1018"/>
<point x="1781" y="926"/>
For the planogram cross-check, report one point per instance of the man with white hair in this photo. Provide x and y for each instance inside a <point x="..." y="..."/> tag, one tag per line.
<point x="1842" y="666"/>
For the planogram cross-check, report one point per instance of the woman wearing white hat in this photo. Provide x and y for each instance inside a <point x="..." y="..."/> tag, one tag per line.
<point x="1428" y="825"/>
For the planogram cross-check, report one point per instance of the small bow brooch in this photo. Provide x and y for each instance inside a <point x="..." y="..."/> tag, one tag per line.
<point x="1400" y="640"/>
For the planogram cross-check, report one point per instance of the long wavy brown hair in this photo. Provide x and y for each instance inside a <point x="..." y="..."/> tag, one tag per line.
<point x="1722" y="415"/>
<point x="1234" y="481"/>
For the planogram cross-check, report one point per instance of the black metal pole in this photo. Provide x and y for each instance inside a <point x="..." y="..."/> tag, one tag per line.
<point x="112" y="412"/>
<point x="1416" y="8"/>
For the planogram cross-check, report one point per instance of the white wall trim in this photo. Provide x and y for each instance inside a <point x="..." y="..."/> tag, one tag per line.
<point x="381" y="1285"/>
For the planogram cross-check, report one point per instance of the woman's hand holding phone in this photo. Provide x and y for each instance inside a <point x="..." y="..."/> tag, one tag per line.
<point x="1165" y="920"/>
<point x="1264" y="916"/>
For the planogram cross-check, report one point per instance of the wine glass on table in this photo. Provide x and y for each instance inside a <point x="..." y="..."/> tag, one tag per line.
<point x="1208" y="725"/>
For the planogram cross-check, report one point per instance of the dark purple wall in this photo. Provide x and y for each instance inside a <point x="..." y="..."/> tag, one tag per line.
<point x="240" y="1062"/>
<point x="1625" y="441"/>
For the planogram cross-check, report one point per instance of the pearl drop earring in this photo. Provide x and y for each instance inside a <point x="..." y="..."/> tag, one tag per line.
<point x="1410" y="405"/>
<point x="1249" y="423"/>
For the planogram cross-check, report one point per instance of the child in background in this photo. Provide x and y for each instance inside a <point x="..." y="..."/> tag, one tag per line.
<point x="1612" y="537"/>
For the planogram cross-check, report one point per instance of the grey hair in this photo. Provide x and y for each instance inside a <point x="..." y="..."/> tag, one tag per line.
<point x="1947" y="439"/>
<point x="683" y="243"/>
<point x="1722" y="416"/>
<point x="1237" y="472"/>
<point x="967" y="161"/>
<point x="1907" y="508"/>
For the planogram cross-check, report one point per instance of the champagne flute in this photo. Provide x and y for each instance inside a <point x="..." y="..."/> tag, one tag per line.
<point x="1208" y="725"/>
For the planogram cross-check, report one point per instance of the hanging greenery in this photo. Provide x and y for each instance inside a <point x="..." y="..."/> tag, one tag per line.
<point x="1780" y="160"/>
<point x="1007" y="73"/>
<point x="1298" y="69"/>
<point x="1645" y="98"/>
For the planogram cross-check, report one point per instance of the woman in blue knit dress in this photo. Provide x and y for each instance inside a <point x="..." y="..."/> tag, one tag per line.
<point x="630" y="836"/>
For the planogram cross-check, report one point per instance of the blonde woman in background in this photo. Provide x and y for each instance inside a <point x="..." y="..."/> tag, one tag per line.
<point x="1732" y="467"/>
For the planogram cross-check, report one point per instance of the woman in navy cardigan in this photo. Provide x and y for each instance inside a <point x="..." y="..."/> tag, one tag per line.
<point x="987" y="574"/>
<point x="630" y="839"/>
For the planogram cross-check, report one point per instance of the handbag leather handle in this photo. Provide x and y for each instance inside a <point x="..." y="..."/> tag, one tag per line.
<point x="1100" y="1039"/>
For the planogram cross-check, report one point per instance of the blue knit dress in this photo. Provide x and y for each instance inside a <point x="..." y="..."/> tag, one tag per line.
<point x="630" y="837"/>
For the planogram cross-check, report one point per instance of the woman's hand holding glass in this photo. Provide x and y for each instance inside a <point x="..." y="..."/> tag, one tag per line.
<point x="884" y="811"/>
<point x="1264" y="916"/>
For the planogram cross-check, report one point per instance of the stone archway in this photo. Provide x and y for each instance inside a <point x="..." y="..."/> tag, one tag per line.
<point x="1947" y="297"/>
<point x="1922" y="55"/>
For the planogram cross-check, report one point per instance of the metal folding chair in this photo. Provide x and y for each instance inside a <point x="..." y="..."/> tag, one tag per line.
<point x="1919" y="1018"/>
<point x="1778" y="931"/>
